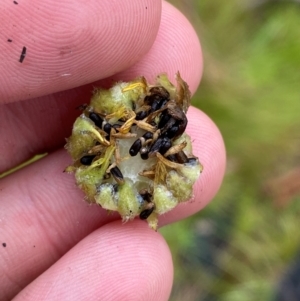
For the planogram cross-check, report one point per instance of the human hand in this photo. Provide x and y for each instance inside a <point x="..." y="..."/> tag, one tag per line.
<point x="54" y="245"/>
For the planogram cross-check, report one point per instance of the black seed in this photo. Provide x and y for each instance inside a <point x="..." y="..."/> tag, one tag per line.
<point x="23" y="54"/>
<point x="141" y="115"/>
<point x="172" y="158"/>
<point x="144" y="153"/>
<point x="158" y="97"/>
<point x="156" y="145"/>
<point x="15" y="2"/>
<point x="169" y="124"/>
<point x="164" y="118"/>
<point x="162" y="144"/>
<point x="165" y="146"/>
<point x="4" y="244"/>
<point x="117" y="174"/>
<point x="182" y="125"/>
<point x="9" y="40"/>
<point x="146" y="213"/>
<point x="107" y="128"/>
<point x="174" y="127"/>
<point x="147" y="196"/>
<point x="148" y="135"/>
<point x="135" y="147"/>
<point x="172" y="132"/>
<point x="158" y="103"/>
<point x="96" y="119"/>
<point x="115" y="171"/>
<point x="87" y="160"/>
<point x="155" y="103"/>
<point x="181" y="157"/>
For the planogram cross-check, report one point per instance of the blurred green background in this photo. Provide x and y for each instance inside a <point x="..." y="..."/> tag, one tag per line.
<point x="246" y="244"/>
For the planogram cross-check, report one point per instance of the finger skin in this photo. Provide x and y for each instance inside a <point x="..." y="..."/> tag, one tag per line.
<point x="116" y="262"/>
<point x="42" y="124"/>
<point x="38" y="209"/>
<point x="42" y="207"/>
<point x="176" y="48"/>
<point x="71" y="43"/>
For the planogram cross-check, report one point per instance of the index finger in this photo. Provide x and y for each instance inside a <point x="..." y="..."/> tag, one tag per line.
<point x="49" y="46"/>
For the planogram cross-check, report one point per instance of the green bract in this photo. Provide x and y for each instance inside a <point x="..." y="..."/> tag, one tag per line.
<point x="130" y="151"/>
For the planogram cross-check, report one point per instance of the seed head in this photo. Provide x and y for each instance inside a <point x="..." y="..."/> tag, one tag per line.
<point x="130" y="151"/>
